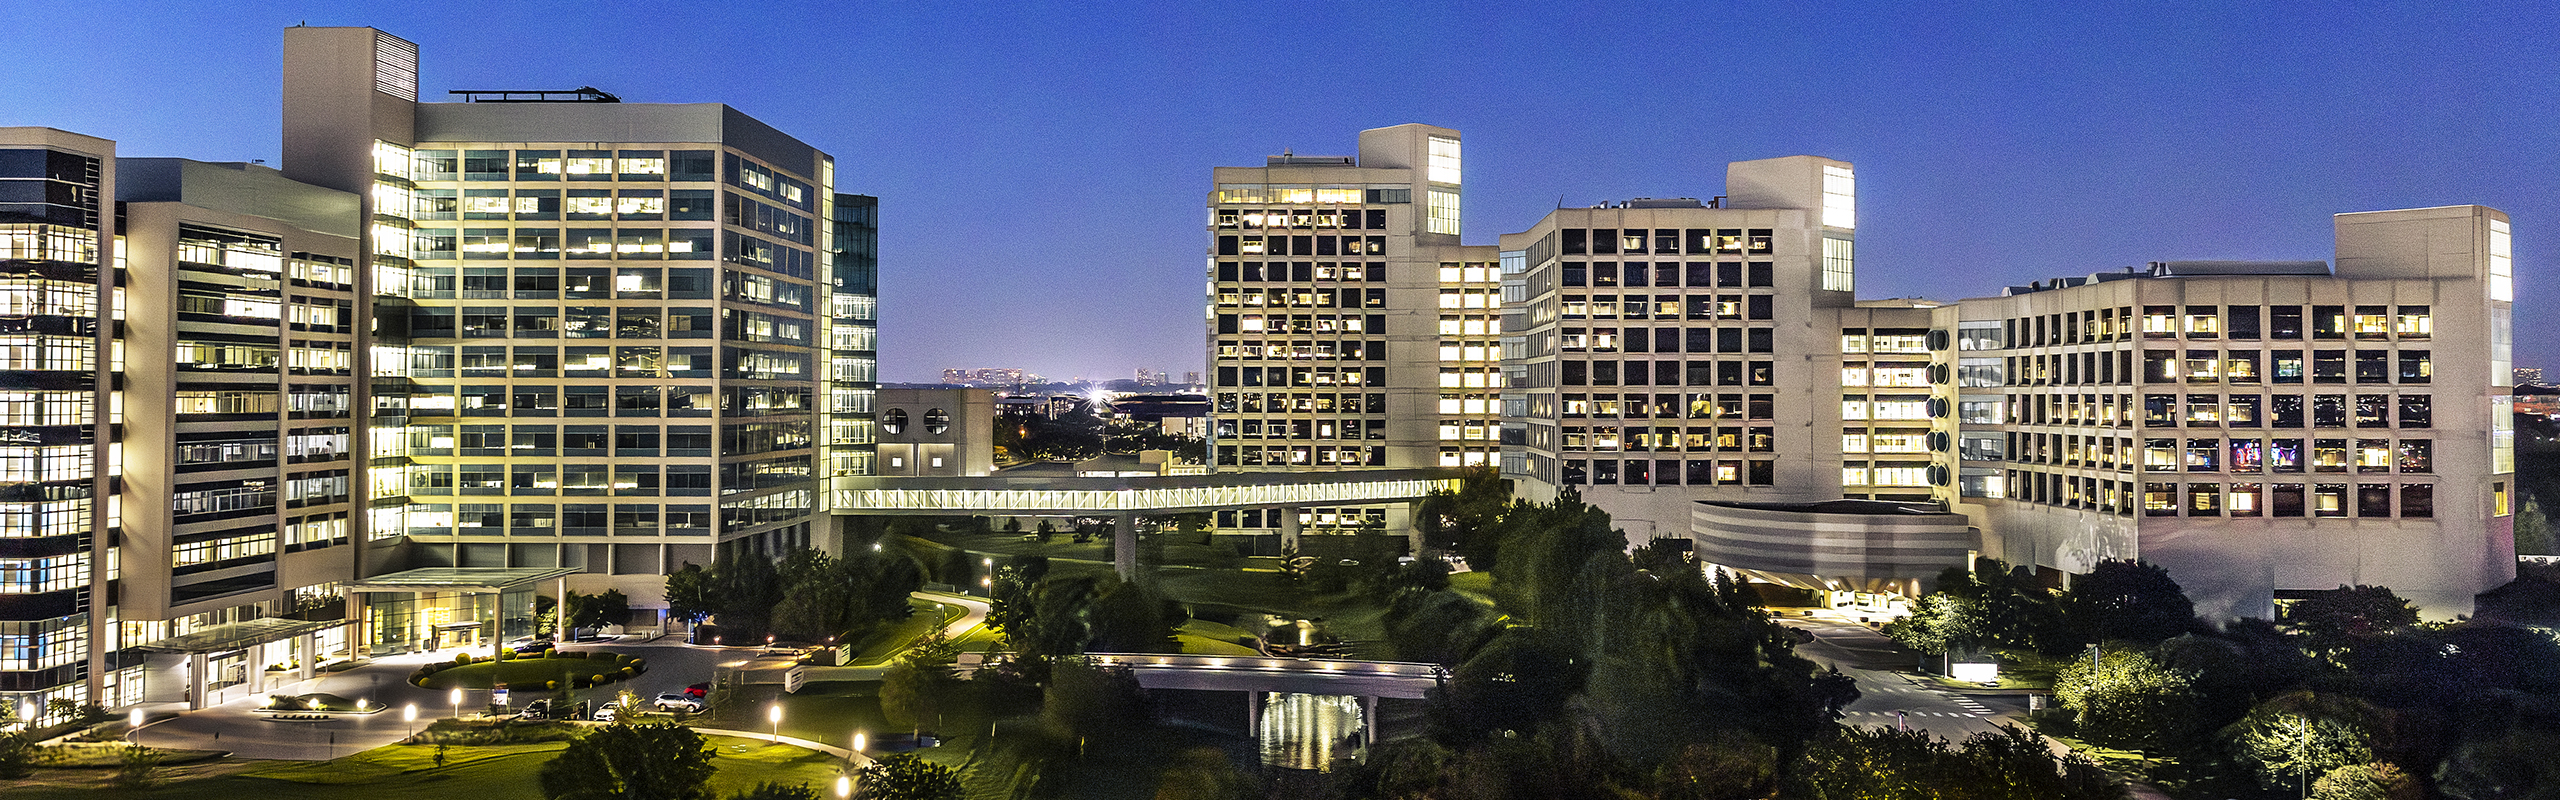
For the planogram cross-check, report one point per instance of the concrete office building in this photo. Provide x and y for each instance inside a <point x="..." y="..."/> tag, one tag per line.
<point x="1684" y="365"/>
<point x="424" y="269"/>
<point x="181" y="374"/>
<point x="1348" y="328"/>
<point x="601" y="328"/>
<point x="2259" y="428"/>
<point x="1670" y="351"/>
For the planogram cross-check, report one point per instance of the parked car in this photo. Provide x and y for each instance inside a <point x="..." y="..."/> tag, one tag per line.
<point x="698" y="691"/>
<point x="677" y="701"/>
<point x="538" y="709"/>
<point x="608" y="712"/>
<point x="530" y="647"/>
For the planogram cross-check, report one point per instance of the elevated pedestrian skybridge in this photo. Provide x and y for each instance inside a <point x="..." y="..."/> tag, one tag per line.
<point x="1398" y="679"/>
<point x="1151" y="494"/>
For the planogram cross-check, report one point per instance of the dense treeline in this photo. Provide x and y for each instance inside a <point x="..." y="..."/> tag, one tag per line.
<point x="807" y="595"/>
<point x="1603" y="673"/>
<point x="2349" y="695"/>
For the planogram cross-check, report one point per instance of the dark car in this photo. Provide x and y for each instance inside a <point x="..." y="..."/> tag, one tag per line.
<point x="538" y="709"/>
<point x="698" y="691"/>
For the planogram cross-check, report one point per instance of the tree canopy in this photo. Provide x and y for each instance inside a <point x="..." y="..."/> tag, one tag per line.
<point x="631" y="762"/>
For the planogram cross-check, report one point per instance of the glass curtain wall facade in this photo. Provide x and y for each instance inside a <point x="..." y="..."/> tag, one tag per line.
<point x="58" y="415"/>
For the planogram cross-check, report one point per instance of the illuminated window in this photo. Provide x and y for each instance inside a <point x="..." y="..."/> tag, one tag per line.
<point x="1444" y="161"/>
<point x="2502" y="262"/>
<point x="1443" y="204"/>
<point x="1839" y="264"/>
<point x="1839" y="197"/>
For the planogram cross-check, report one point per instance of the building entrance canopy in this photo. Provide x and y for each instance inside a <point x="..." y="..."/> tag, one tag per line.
<point x="459" y="579"/>
<point x="227" y="637"/>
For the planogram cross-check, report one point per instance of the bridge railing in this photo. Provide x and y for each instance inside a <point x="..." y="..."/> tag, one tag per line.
<point x="1409" y="669"/>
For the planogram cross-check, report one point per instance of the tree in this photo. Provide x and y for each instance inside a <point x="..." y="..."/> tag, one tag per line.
<point x="17" y="754"/>
<point x="906" y="777"/>
<point x="770" y="790"/>
<point x="1468" y="521"/>
<point x="1009" y="593"/>
<point x="2126" y="601"/>
<point x="2375" y="781"/>
<point x="2533" y="531"/>
<point x="1989" y="606"/>
<point x="2332" y="618"/>
<point x="689" y="595"/>
<point x="915" y="691"/>
<point x="139" y="768"/>
<point x="2298" y="735"/>
<point x="2130" y="701"/>
<point x="1729" y="769"/>
<point x="1129" y="617"/>
<point x="2010" y="764"/>
<point x="1202" y="773"/>
<point x="1517" y="682"/>
<point x="744" y="589"/>
<point x="631" y="762"/>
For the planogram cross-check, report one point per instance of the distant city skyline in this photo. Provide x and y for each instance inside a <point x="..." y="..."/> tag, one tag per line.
<point x="1052" y="220"/>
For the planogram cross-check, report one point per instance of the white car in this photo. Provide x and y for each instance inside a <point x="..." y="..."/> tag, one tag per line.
<point x="608" y="712"/>
<point x="673" y="701"/>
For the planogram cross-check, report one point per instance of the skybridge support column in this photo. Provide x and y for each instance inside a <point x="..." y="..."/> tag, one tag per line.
<point x="1369" y="718"/>
<point x="1124" y="545"/>
<point x="1288" y="528"/>
<point x="1413" y="528"/>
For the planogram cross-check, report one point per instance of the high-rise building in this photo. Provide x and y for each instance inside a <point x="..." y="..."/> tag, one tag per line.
<point x="2259" y="428"/>
<point x="600" y="323"/>
<point x="1667" y="351"/>
<point x="59" y="413"/>
<point x="1348" y="327"/>
<point x="2528" y="376"/>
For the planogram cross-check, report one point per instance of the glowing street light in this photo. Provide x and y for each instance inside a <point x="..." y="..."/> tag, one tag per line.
<point x="844" y="786"/>
<point x="409" y="717"/>
<point x="455" y="698"/>
<point x="134" y="720"/>
<point x="776" y="715"/>
<point x="857" y="741"/>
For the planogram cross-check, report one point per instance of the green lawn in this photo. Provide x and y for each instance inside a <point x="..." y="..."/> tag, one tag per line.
<point x="1475" y="585"/>
<point x="1202" y="637"/>
<point x="888" y="641"/>
<point x="399" y="772"/>
<point x="527" y="674"/>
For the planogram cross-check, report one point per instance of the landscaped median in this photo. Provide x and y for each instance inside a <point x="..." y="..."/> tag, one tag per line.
<point x="553" y="672"/>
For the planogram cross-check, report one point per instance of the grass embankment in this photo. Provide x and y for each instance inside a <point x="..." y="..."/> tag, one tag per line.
<point x="535" y="674"/>
<point x="400" y="772"/>
<point x="897" y="636"/>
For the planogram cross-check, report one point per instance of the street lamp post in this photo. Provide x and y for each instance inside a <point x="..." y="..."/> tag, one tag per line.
<point x="455" y="698"/>
<point x="776" y="716"/>
<point x="409" y="718"/>
<point x="844" y="786"/>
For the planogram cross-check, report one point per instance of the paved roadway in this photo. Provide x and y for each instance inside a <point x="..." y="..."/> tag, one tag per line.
<point x="1886" y="698"/>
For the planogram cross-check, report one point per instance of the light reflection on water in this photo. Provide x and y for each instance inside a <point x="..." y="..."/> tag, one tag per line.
<point x="1310" y="731"/>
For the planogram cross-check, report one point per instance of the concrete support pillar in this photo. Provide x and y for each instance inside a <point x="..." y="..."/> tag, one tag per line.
<point x="197" y="666"/>
<point x="305" y="646"/>
<point x="1369" y="719"/>
<point x="560" y="613"/>
<point x="1253" y="715"/>
<point x="1288" y="527"/>
<point x="1124" y="545"/>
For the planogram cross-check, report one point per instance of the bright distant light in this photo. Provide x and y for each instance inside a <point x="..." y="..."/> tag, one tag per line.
<point x="775" y="714"/>
<point x="844" y="786"/>
<point x="136" y="718"/>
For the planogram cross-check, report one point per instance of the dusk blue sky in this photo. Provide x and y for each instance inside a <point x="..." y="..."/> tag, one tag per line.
<point x="1042" y="167"/>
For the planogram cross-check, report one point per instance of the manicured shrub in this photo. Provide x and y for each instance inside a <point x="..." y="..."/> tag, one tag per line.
<point x="462" y="659"/>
